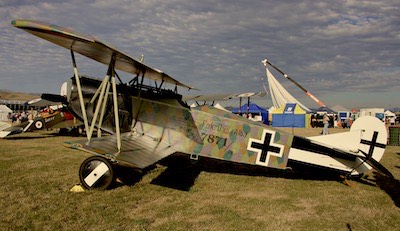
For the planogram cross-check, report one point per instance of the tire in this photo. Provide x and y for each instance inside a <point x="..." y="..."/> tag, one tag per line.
<point x="96" y="172"/>
<point x="38" y="124"/>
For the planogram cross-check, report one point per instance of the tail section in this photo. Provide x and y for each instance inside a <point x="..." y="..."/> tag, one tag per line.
<point x="7" y="129"/>
<point x="3" y="129"/>
<point x="354" y="152"/>
<point x="372" y="143"/>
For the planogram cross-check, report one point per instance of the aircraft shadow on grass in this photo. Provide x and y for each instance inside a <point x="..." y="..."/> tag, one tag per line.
<point x="181" y="174"/>
<point x="390" y="186"/>
<point x="43" y="134"/>
<point x="24" y="136"/>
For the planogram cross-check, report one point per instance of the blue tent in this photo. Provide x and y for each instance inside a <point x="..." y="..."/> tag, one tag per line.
<point x="253" y="109"/>
<point x="291" y="115"/>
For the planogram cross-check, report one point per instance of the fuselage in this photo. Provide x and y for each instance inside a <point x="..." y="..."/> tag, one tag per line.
<point x="200" y="131"/>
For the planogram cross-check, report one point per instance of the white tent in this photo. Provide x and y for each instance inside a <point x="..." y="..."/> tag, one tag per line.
<point x="343" y="113"/>
<point x="391" y="117"/>
<point x="340" y="108"/>
<point x="217" y="105"/>
<point x="220" y="107"/>
<point x="280" y="96"/>
<point x="389" y="114"/>
<point x="4" y="110"/>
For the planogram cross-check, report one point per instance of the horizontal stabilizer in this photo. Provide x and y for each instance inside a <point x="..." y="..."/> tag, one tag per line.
<point x="344" y="140"/>
<point x="4" y="126"/>
<point x="7" y="129"/>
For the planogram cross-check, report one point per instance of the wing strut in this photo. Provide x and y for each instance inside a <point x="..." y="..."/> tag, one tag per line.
<point x="102" y="95"/>
<point x="309" y="94"/>
<point x="140" y="105"/>
<point x="78" y="85"/>
<point x="115" y="100"/>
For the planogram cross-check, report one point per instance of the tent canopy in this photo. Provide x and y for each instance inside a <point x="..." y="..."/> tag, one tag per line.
<point x="389" y="114"/>
<point x="219" y="106"/>
<point x="339" y="108"/>
<point x="4" y="108"/>
<point x="279" y="95"/>
<point x="253" y="108"/>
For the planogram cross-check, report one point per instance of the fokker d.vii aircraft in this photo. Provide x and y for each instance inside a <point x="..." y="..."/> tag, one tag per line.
<point x="145" y="124"/>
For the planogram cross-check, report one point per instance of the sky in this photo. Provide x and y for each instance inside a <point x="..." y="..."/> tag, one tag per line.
<point x="345" y="52"/>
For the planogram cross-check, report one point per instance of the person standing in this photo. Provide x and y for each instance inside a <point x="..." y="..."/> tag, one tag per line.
<point x="313" y="121"/>
<point x="326" y="124"/>
<point x="392" y="120"/>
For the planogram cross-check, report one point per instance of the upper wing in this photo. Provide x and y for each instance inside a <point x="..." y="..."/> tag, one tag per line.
<point x="92" y="48"/>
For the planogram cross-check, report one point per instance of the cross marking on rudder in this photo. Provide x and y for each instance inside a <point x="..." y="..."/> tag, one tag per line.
<point x="265" y="147"/>
<point x="372" y="144"/>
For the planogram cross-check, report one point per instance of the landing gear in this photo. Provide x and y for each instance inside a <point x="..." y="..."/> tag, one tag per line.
<point x="96" y="172"/>
<point x="39" y="124"/>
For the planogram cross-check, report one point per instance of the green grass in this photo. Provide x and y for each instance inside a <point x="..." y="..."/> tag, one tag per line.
<point x="37" y="173"/>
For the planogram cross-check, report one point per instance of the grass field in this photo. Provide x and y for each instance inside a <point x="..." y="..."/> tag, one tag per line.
<point x="37" y="173"/>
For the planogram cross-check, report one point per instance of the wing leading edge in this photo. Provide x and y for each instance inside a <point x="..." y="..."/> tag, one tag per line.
<point x="93" y="48"/>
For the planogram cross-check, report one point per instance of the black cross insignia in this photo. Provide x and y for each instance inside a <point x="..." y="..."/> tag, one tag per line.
<point x="372" y="144"/>
<point x="265" y="147"/>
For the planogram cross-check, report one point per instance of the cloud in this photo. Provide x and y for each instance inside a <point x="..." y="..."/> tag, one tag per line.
<point x="326" y="46"/>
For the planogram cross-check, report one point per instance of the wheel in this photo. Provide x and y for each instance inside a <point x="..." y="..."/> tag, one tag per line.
<point x="38" y="124"/>
<point x="96" y="172"/>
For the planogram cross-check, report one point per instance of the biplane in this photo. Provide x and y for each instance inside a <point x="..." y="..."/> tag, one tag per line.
<point x="139" y="124"/>
<point x="54" y="116"/>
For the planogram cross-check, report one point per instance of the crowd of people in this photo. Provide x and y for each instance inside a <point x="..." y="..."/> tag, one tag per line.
<point x="329" y="121"/>
<point x="318" y="120"/>
<point x="20" y="117"/>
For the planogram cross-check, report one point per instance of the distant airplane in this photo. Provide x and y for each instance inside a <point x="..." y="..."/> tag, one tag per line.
<point x="150" y="122"/>
<point x="55" y="116"/>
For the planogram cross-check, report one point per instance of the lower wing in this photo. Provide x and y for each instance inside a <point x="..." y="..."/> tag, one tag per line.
<point x="137" y="150"/>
